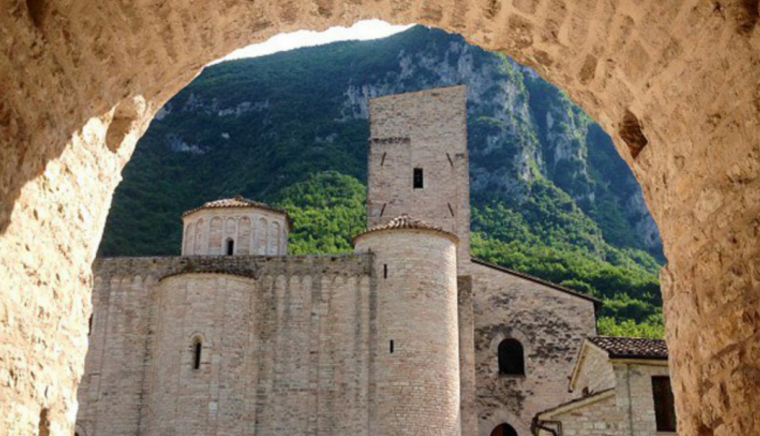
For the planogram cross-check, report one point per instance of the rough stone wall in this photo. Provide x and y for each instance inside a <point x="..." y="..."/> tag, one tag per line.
<point x="675" y="83"/>
<point x="595" y="373"/>
<point x="416" y="370"/>
<point x="286" y="346"/>
<point x="467" y="380"/>
<point x="634" y="396"/>
<point x="112" y="389"/>
<point x="254" y="232"/>
<point x="550" y="325"/>
<point x="628" y="412"/>
<point x="49" y="232"/>
<point x="599" y="418"/>
<point x="425" y="130"/>
<point x="217" y="311"/>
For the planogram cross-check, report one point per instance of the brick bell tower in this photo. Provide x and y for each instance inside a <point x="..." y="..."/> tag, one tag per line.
<point x="418" y="162"/>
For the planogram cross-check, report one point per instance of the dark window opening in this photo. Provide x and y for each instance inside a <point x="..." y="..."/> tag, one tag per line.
<point x="504" y="430"/>
<point x="89" y="326"/>
<point x="418" y="178"/>
<point x="197" y="355"/>
<point x="382" y="161"/>
<point x="385" y="270"/>
<point x="664" y="405"/>
<point x="230" y="247"/>
<point x="391" y="346"/>
<point x="511" y="357"/>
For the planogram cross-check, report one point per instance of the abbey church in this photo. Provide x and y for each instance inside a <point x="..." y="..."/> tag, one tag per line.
<point x="408" y="335"/>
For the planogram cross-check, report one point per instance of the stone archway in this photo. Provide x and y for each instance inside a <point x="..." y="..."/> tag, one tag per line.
<point x="677" y="84"/>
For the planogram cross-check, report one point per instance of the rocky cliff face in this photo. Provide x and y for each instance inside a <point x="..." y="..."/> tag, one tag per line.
<point x="518" y="121"/>
<point x="256" y="126"/>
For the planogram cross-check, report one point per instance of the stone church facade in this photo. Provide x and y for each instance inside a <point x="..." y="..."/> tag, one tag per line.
<point x="408" y="335"/>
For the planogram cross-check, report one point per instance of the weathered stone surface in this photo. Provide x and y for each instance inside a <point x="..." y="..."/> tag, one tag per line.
<point x="618" y="400"/>
<point x="246" y="230"/>
<point x="81" y="79"/>
<point x="415" y="375"/>
<point x="286" y="344"/>
<point x="550" y="325"/>
<point x="425" y="131"/>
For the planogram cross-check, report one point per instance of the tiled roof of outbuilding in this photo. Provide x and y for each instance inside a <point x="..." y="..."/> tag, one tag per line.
<point x="238" y="201"/>
<point x="406" y="222"/>
<point x="631" y="348"/>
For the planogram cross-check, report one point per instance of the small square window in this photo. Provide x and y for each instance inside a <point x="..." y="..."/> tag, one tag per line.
<point x="418" y="178"/>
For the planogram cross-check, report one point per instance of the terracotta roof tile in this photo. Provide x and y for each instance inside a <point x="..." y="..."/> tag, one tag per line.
<point x="237" y="201"/>
<point x="630" y="348"/>
<point x="406" y="222"/>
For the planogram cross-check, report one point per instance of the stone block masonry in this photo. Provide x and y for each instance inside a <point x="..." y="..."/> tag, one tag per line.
<point x="285" y="346"/>
<point x="549" y="323"/>
<point x="417" y="358"/>
<point x="421" y="138"/>
<point x="235" y="226"/>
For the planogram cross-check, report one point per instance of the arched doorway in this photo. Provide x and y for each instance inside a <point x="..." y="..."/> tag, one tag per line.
<point x="504" y="429"/>
<point x="675" y="83"/>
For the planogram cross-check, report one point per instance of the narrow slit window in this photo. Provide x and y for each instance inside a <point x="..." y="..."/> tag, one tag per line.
<point x="391" y="346"/>
<point x="382" y="211"/>
<point x="198" y="348"/>
<point x="230" y="247"/>
<point x="418" y="183"/>
<point x="385" y="270"/>
<point x="382" y="161"/>
<point x="89" y="326"/>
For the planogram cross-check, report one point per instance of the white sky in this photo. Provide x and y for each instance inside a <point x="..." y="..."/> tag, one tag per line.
<point x="361" y="30"/>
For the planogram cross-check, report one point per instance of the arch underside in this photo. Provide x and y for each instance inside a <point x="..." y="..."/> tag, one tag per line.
<point x="676" y="84"/>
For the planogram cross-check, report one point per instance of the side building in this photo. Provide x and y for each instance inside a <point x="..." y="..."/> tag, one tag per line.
<point x="527" y="333"/>
<point x="622" y="388"/>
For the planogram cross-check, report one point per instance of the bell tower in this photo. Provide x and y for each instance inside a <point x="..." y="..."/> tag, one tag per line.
<point x="418" y="162"/>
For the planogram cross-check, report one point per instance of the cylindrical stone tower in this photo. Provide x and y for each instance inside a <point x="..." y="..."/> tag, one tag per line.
<point x="198" y="373"/>
<point x="235" y="226"/>
<point x="416" y="368"/>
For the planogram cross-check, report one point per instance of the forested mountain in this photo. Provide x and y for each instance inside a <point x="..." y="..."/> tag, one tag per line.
<point x="550" y="195"/>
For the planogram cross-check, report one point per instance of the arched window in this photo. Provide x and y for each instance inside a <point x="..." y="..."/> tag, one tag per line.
<point x="230" y="247"/>
<point x="511" y="358"/>
<point x="504" y="430"/>
<point x="197" y="349"/>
